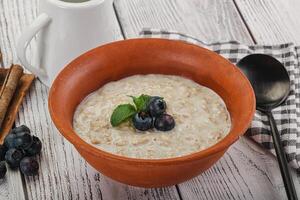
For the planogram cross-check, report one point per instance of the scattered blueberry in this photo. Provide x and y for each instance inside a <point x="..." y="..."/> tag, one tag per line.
<point x="35" y="147"/>
<point x="13" y="157"/>
<point x="9" y="141"/>
<point x="2" y="169"/>
<point x="157" y="106"/>
<point x="21" y="128"/>
<point x="3" y="150"/>
<point x="164" y="122"/>
<point x="16" y="144"/>
<point x="29" y="166"/>
<point x="142" y="121"/>
<point x="23" y="140"/>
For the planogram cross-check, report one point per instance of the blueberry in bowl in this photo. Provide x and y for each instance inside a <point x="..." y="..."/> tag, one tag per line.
<point x="164" y="122"/>
<point x="157" y="106"/>
<point x="142" y="121"/>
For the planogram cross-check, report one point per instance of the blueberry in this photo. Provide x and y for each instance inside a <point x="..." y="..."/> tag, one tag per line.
<point x="29" y="166"/>
<point x="13" y="157"/>
<point x="23" y="140"/>
<point x="3" y="150"/>
<point x="21" y="128"/>
<point x="2" y="169"/>
<point x="35" y="147"/>
<point x="142" y="121"/>
<point x="164" y="122"/>
<point x="157" y="106"/>
<point x="9" y="141"/>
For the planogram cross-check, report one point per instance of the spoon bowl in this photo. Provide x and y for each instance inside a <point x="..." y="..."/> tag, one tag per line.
<point x="269" y="79"/>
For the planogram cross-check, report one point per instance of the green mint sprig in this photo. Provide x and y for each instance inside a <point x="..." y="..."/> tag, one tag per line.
<point x="141" y="102"/>
<point x="123" y="112"/>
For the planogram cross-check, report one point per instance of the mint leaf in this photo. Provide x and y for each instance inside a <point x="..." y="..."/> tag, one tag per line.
<point x="121" y="113"/>
<point x="141" y="102"/>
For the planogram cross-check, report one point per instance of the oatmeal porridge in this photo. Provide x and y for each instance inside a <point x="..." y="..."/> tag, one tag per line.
<point x="200" y="114"/>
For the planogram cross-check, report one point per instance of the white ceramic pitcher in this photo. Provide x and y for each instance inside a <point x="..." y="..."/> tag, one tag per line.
<point x="64" y="31"/>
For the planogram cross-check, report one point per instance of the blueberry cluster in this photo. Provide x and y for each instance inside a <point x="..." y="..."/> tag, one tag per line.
<point x="154" y="116"/>
<point x="18" y="150"/>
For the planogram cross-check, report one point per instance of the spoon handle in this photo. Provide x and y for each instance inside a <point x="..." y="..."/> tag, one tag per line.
<point x="283" y="164"/>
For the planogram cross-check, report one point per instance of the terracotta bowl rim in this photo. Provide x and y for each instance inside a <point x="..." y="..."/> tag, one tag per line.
<point x="79" y="143"/>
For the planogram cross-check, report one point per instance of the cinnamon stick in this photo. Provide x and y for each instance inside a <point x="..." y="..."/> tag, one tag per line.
<point x="3" y="73"/>
<point x="8" y="88"/>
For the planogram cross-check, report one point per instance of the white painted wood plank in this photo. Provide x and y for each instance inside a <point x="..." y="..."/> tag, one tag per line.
<point x="246" y="171"/>
<point x="242" y="173"/>
<point x="3" y="189"/>
<point x="64" y="174"/>
<point x="209" y="20"/>
<point x="117" y="192"/>
<point x="272" y="21"/>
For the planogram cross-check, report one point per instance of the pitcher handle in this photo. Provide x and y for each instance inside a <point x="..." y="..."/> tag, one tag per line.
<point x="40" y="22"/>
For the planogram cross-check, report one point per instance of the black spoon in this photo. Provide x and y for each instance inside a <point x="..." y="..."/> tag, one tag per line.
<point x="271" y="84"/>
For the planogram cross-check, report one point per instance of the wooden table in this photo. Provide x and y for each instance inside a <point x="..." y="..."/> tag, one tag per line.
<point x="245" y="172"/>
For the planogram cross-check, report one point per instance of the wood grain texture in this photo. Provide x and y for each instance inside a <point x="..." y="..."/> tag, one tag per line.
<point x="246" y="171"/>
<point x="209" y="20"/>
<point x="272" y="21"/>
<point x="241" y="174"/>
<point x="64" y="174"/>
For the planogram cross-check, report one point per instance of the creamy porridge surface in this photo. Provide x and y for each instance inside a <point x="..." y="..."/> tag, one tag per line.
<point x="200" y="114"/>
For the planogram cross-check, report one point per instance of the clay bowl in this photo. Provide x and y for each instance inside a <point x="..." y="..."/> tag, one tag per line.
<point x="120" y="59"/>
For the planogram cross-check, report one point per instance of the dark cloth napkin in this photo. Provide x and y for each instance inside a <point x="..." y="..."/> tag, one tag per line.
<point x="287" y="115"/>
